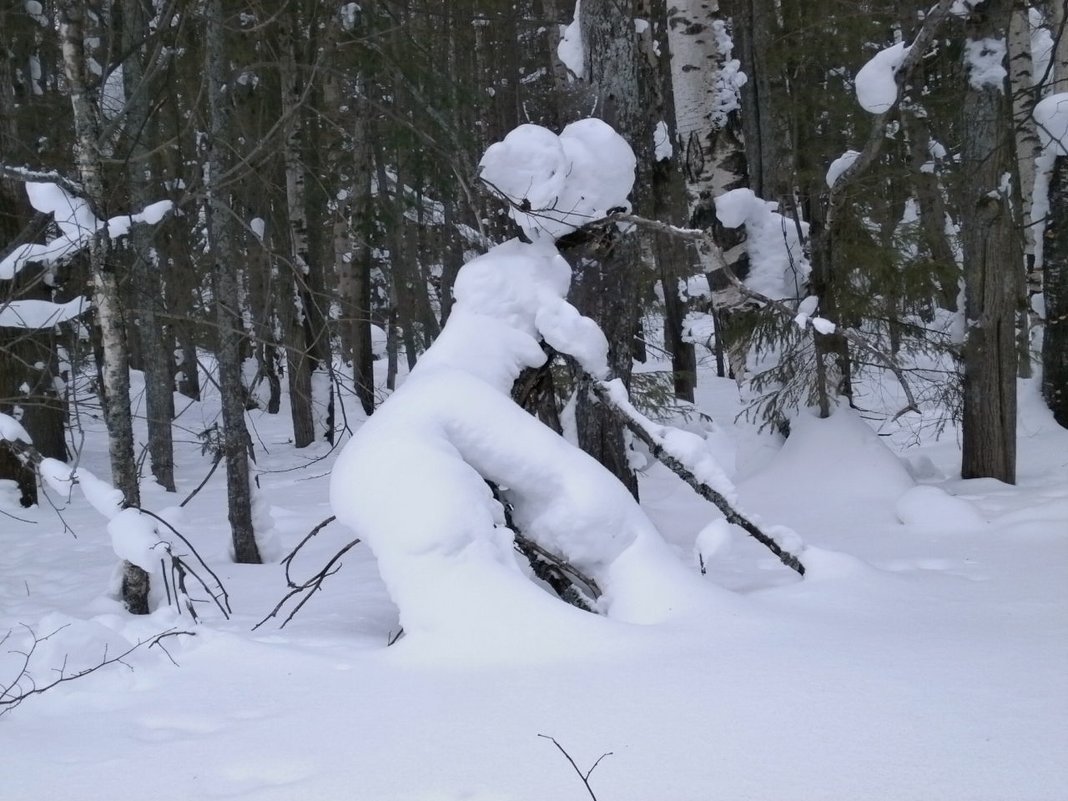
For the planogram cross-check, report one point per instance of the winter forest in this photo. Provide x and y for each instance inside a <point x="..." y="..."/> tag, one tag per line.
<point x="634" y="400"/>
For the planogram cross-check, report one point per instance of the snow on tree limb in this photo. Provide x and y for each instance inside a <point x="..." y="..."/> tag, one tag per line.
<point x="677" y="450"/>
<point x="37" y="314"/>
<point x="902" y="70"/>
<point x="27" y="174"/>
<point x="77" y="224"/>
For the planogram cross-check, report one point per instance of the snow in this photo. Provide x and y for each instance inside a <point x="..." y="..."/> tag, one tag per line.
<point x="922" y="655"/>
<point x="876" y="84"/>
<point x="570" y="50"/>
<point x="12" y="430"/>
<point x="912" y="661"/>
<point x="778" y="266"/>
<point x="662" y="147"/>
<point x="985" y="60"/>
<point x="41" y="313"/>
<point x="1051" y="118"/>
<point x="840" y="165"/>
<point x="76" y="223"/>
<point x="556" y="184"/>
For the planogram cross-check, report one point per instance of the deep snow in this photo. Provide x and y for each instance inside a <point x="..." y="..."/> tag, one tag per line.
<point x="918" y="660"/>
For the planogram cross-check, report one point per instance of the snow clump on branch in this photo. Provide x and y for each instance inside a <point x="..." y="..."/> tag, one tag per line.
<point x="556" y="184"/>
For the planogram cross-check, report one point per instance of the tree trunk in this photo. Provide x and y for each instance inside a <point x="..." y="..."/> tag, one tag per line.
<point x="605" y="262"/>
<point x="1024" y="97"/>
<point x="109" y="314"/>
<point x="147" y="288"/>
<point x="992" y="262"/>
<point x="1055" y="291"/>
<point x="236" y="442"/>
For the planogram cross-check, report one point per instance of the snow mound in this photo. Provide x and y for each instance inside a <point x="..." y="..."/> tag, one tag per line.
<point x="836" y="461"/>
<point x="826" y="565"/>
<point x="933" y="507"/>
<point x="778" y="267"/>
<point x="840" y="165"/>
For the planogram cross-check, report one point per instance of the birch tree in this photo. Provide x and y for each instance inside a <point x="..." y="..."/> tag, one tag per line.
<point x="105" y="280"/>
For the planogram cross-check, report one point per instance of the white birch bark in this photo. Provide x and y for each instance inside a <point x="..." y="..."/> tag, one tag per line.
<point x="109" y="313"/>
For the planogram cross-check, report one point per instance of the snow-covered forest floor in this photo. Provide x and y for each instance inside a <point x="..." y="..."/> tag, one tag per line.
<point x="920" y="660"/>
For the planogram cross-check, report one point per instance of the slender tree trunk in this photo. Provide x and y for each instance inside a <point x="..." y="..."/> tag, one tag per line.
<point x="1024" y="95"/>
<point x="236" y="442"/>
<point x="1055" y="291"/>
<point x="109" y="314"/>
<point x="147" y="288"/>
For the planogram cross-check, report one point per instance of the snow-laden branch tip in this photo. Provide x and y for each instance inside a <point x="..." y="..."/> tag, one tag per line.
<point x="894" y="64"/>
<point x="683" y="453"/>
<point x="77" y="226"/>
<point x="135" y="533"/>
<point x="37" y="314"/>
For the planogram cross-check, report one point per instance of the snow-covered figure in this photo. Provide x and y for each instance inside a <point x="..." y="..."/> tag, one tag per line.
<point x="412" y="482"/>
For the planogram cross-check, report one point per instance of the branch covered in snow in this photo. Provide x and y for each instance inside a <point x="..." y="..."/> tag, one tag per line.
<point x="674" y="449"/>
<point x="902" y="70"/>
<point x="28" y="174"/>
<point x="77" y="224"/>
<point x="134" y="532"/>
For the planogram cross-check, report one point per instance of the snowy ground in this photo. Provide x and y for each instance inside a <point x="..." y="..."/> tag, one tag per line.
<point x="921" y="661"/>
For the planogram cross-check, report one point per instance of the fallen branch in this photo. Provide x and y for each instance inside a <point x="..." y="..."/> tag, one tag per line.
<point x="564" y="578"/>
<point x="647" y="432"/>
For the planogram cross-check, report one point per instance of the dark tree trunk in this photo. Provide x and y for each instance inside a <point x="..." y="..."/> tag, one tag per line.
<point x="993" y="260"/>
<point x="236" y="442"/>
<point x="146" y="287"/>
<point x="1055" y="291"/>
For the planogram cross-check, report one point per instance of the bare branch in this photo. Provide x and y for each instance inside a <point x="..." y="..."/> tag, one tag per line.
<point x="584" y="776"/>
<point x="13" y="694"/>
<point x="29" y="174"/>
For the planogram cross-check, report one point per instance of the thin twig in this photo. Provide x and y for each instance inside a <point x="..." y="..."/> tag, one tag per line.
<point x="584" y="776"/>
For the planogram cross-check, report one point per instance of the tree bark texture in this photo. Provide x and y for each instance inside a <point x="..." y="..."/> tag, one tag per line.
<point x="109" y="313"/>
<point x="1055" y="291"/>
<point x="992" y="263"/>
<point x="147" y="288"/>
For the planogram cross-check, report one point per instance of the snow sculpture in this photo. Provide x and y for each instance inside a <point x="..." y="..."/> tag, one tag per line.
<point x="412" y="481"/>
